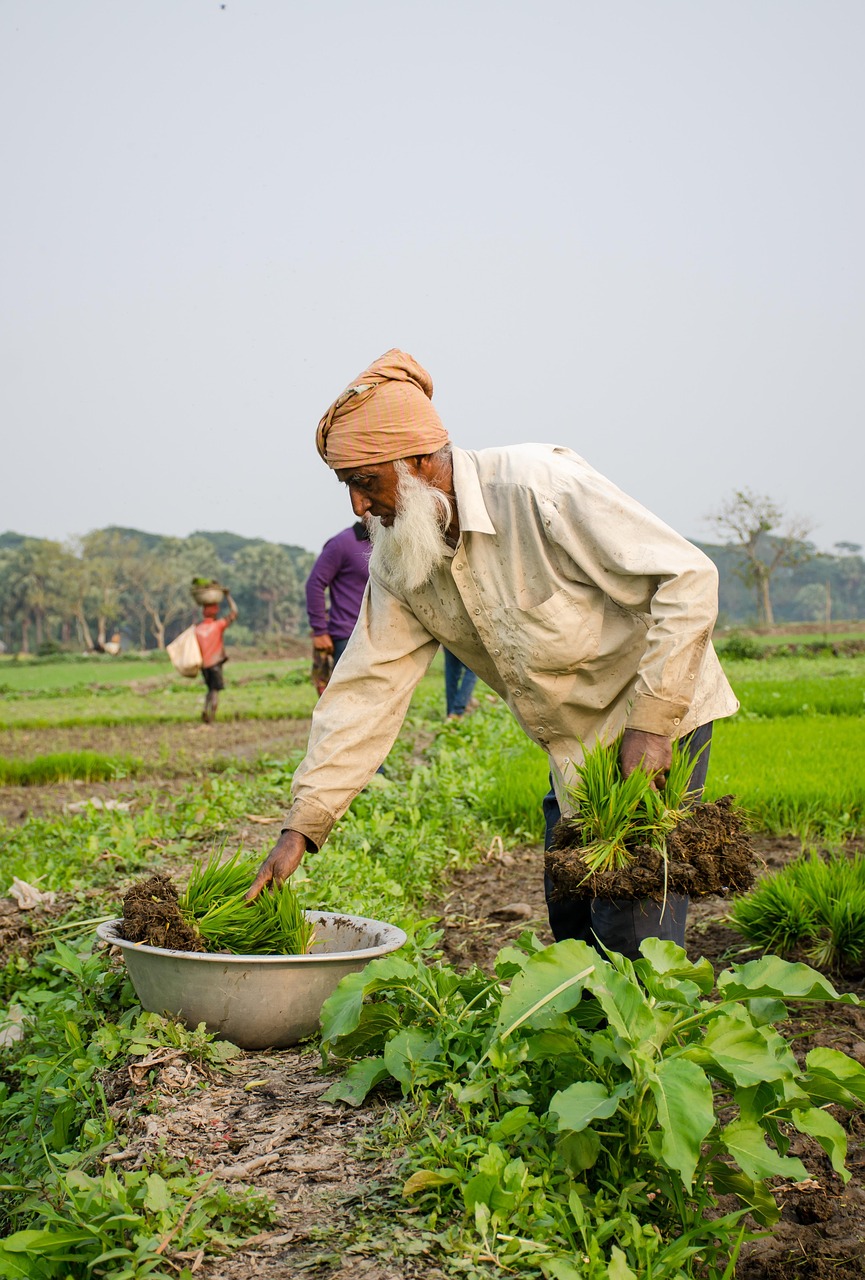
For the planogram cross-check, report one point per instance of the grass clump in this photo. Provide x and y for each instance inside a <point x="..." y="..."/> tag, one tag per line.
<point x="88" y="766"/>
<point x="813" y="908"/>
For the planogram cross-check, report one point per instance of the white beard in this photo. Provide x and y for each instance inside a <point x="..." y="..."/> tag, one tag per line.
<point x="407" y="554"/>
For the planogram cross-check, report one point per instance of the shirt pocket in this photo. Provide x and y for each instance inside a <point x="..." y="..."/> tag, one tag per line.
<point x="558" y="635"/>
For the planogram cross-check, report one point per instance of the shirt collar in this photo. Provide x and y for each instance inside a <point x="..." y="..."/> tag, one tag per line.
<point x="473" y="514"/>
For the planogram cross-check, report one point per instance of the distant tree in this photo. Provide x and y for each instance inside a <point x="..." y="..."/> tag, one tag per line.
<point x="266" y="577"/>
<point x="32" y="578"/>
<point x="811" y="602"/>
<point x="766" y="540"/>
<point x="159" y="581"/>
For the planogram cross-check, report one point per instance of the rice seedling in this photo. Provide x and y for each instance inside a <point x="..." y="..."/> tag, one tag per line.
<point x="815" y="907"/>
<point x="214" y="905"/>
<point x="617" y="814"/>
<point x="89" y="766"/>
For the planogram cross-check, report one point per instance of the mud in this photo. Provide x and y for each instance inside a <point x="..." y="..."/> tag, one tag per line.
<point x="709" y="852"/>
<point x="151" y="915"/>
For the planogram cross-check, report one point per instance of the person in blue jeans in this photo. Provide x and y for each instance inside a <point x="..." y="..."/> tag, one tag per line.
<point x="460" y="682"/>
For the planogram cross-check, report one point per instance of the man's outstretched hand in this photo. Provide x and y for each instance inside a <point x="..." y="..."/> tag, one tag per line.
<point x="652" y="752"/>
<point x="282" y="861"/>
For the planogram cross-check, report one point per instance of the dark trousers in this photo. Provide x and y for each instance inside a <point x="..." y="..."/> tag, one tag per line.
<point x="620" y="923"/>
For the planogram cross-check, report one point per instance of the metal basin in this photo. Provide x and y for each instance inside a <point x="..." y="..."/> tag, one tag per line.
<point x="257" y="1002"/>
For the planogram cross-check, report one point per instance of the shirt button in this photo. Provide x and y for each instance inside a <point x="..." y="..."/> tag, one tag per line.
<point x="497" y="653"/>
<point x="477" y="611"/>
<point x="676" y="720"/>
<point x="458" y="566"/>
<point x="518" y="693"/>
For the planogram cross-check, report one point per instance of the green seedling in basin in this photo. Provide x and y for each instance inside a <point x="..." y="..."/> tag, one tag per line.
<point x="214" y="904"/>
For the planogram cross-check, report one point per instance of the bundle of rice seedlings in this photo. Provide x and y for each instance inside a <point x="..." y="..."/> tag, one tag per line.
<point x="214" y="906"/>
<point x="616" y="815"/>
<point x="776" y="916"/>
<point x="814" y="907"/>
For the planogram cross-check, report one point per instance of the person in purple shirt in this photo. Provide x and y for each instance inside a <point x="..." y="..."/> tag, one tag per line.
<point x="340" y="572"/>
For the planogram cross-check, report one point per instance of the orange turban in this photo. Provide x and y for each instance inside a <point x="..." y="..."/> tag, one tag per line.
<point x="385" y="414"/>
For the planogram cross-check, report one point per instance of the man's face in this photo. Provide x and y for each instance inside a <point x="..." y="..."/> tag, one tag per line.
<point x="374" y="490"/>
<point x="407" y="519"/>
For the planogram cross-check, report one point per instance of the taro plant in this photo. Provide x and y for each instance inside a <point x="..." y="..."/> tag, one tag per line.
<point x="576" y="1107"/>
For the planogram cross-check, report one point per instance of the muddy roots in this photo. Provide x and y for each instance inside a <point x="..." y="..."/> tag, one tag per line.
<point x="151" y="915"/>
<point x="709" y="852"/>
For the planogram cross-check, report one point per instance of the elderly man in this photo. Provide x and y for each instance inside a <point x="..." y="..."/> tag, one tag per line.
<point x="581" y="609"/>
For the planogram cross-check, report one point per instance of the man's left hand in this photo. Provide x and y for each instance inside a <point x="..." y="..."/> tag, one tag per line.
<point x="652" y="752"/>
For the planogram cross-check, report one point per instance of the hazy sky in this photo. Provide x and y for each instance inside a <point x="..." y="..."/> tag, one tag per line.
<point x="635" y="228"/>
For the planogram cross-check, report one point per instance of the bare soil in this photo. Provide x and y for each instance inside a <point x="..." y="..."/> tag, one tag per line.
<point x="178" y="747"/>
<point x="151" y="915"/>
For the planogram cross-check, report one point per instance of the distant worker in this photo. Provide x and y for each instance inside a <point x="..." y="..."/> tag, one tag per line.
<point x="113" y="645"/>
<point x="340" y="573"/>
<point x="210" y="634"/>
<point x="460" y="683"/>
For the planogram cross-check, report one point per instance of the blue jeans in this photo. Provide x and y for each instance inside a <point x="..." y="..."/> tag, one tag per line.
<point x="620" y="923"/>
<point x="459" y="684"/>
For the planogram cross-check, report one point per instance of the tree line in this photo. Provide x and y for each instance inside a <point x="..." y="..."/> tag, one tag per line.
<point x="76" y="594"/>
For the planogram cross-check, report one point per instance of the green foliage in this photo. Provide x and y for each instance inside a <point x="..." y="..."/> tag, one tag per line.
<point x="813" y="906"/>
<point x="738" y="645"/>
<point x="127" y="1225"/>
<point x="89" y="766"/>
<point x="785" y="773"/>
<point x="80" y="1021"/>
<point x="567" y="1106"/>
<point x="214" y="904"/>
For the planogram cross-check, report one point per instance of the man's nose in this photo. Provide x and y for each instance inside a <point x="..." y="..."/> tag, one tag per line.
<point x="360" y="504"/>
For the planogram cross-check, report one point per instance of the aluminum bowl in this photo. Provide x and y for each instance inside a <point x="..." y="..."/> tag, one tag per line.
<point x="256" y="1002"/>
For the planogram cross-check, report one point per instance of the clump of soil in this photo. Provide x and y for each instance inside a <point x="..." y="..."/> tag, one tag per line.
<point x="151" y="915"/>
<point x="708" y="852"/>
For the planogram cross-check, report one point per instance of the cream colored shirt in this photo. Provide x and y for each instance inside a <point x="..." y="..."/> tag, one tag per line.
<point x="581" y="609"/>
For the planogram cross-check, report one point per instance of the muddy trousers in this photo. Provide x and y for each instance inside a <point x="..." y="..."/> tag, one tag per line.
<point x="621" y="924"/>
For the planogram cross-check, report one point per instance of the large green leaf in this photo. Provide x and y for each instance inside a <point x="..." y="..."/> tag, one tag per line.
<point x="582" y="1103"/>
<point x="746" y="1143"/>
<point x="404" y="1054"/>
<point x="340" y="1013"/>
<point x="833" y="1077"/>
<point x="756" y="1195"/>
<point x="828" y="1132"/>
<point x="772" y="976"/>
<point x="357" y="1082"/>
<point x="618" y="1268"/>
<point x="686" y="1114"/>
<point x="745" y="1053"/>
<point x="551" y="983"/>
<point x="627" y="1009"/>
<point x="670" y="960"/>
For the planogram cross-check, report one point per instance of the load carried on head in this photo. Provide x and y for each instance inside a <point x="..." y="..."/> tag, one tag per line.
<point x="207" y="591"/>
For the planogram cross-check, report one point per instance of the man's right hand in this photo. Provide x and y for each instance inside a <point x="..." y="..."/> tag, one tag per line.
<point x="282" y="861"/>
<point x="323" y="643"/>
